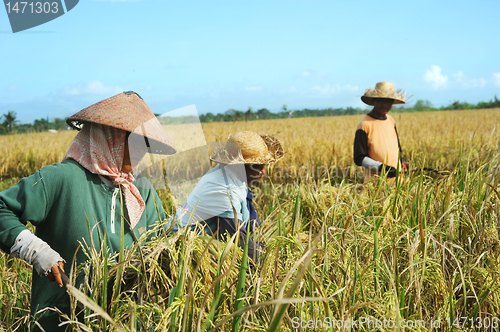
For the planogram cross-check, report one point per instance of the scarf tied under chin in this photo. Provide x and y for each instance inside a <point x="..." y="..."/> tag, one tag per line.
<point x="100" y="150"/>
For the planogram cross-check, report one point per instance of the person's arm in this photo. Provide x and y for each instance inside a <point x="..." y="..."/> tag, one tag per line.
<point x="360" y="147"/>
<point x="38" y="253"/>
<point x="18" y="204"/>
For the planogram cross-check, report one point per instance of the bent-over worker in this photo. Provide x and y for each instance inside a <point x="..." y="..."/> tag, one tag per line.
<point x="225" y="189"/>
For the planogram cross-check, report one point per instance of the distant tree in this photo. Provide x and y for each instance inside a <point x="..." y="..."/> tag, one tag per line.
<point x="422" y="105"/>
<point x="263" y="113"/>
<point x="9" y="120"/>
<point x="248" y="114"/>
<point x="489" y="104"/>
<point x="41" y="125"/>
<point x="229" y="115"/>
<point x="460" y="106"/>
<point x="238" y="115"/>
<point x="57" y="124"/>
<point x="24" y="128"/>
<point x="209" y="117"/>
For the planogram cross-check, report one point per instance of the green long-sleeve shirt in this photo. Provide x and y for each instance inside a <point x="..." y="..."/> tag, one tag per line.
<point x="58" y="200"/>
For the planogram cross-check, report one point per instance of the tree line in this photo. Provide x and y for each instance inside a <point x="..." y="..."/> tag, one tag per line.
<point x="264" y="114"/>
<point x="9" y="123"/>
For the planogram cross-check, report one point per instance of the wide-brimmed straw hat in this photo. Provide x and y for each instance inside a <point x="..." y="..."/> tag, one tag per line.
<point x="127" y="111"/>
<point x="247" y="147"/>
<point x="383" y="90"/>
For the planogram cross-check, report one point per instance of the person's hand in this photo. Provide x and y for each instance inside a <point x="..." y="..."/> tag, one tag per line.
<point x="55" y="275"/>
<point x="389" y="170"/>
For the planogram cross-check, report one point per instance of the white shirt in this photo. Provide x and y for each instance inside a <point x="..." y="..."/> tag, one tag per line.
<point x="217" y="192"/>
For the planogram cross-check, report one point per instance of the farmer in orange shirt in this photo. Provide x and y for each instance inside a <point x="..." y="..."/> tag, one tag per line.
<point x="376" y="145"/>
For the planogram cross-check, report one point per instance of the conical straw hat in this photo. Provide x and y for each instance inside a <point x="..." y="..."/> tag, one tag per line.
<point x="127" y="111"/>
<point x="247" y="147"/>
<point x="383" y="90"/>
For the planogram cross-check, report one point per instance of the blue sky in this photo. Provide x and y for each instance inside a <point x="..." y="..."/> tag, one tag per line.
<point x="233" y="54"/>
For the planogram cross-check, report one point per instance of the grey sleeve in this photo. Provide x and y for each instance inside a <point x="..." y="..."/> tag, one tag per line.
<point x="371" y="164"/>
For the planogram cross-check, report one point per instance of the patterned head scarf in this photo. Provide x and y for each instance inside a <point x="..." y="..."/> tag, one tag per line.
<point x="100" y="150"/>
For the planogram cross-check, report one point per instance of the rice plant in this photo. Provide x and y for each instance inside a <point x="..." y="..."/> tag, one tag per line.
<point x="336" y="250"/>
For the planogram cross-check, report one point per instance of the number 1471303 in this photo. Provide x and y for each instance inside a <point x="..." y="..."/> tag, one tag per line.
<point x="23" y="7"/>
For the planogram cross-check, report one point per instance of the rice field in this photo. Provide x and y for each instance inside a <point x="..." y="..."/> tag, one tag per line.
<point x="340" y="254"/>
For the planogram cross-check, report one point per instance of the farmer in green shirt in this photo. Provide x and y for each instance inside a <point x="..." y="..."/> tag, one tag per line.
<point x="90" y="183"/>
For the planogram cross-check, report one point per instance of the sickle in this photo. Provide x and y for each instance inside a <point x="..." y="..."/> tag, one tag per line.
<point x="65" y="281"/>
<point x="64" y="277"/>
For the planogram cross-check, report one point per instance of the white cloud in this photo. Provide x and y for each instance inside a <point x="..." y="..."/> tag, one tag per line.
<point x="312" y="74"/>
<point x="460" y="77"/>
<point x="332" y="89"/>
<point x="469" y="83"/>
<point x="253" y="88"/>
<point x="434" y="77"/>
<point x="496" y="79"/>
<point x="92" y="88"/>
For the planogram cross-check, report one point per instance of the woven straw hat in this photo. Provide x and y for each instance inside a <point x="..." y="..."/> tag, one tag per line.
<point x="127" y="111"/>
<point x="247" y="147"/>
<point x="383" y="90"/>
